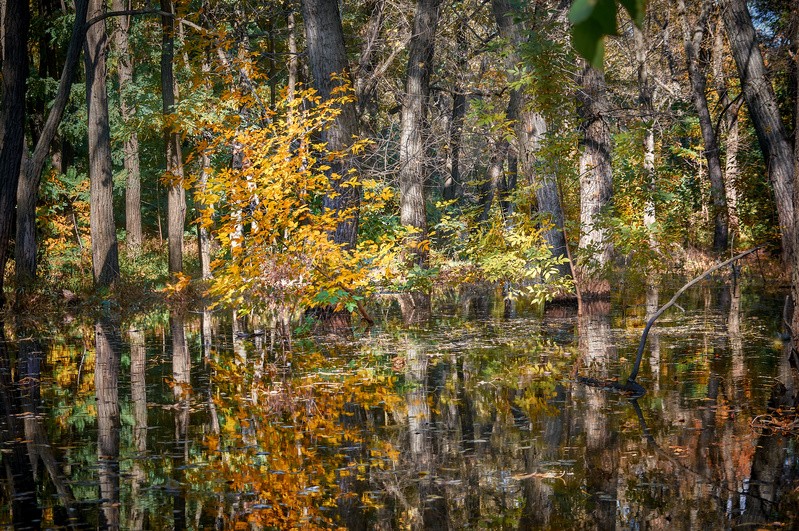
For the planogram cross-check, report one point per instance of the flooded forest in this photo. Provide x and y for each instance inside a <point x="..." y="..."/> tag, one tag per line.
<point x="406" y="264"/>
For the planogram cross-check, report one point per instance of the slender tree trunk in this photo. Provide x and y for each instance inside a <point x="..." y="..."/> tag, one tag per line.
<point x="130" y="147"/>
<point x="452" y="180"/>
<point x="203" y="236"/>
<point x="105" y="251"/>
<point x="765" y="116"/>
<point x="596" y="184"/>
<point x="25" y="250"/>
<point x="692" y="40"/>
<point x="294" y="62"/>
<point x="645" y="101"/>
<point x="328" y="56"/>
<point x="176" y="194"/>
<point x="412" y="173"/>
<point x="531" y="129"/>
<point x="15" y="25"/>
<point x="365" y="90"/>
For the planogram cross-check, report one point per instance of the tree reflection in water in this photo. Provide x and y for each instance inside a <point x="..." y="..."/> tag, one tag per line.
<point x="444" y="422"/>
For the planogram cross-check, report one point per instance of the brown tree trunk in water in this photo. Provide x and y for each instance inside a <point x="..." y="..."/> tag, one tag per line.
<point x="25" y="249"/>
<point x="106" y="384"/>
<point x="413" y="128"/>
<point x="105" y="252"/>
<point x="328" y="56"/>
<point x="176" y="194"/>
<point x="130" y="147"/>
<point x="12" y="134"/>
<point x="596" y="184"/>
<point x="765" y="116"/>
<point x="692" y="40"/>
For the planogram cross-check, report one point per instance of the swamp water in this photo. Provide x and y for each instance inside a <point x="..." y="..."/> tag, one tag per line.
<point x="469" y="420"/>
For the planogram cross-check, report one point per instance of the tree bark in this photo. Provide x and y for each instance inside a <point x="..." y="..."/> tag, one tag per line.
<point x="25" y="250"/>
<point x="596" y="184"/>
<point x="15" y="72"/>
<point x="452" y="180"/>
<point x="176" y="194"/>
<point x="130" y="147"/>
<point x="765" y="116"/>
<point x="105" y="250"/>
<point x="531" y="128"/>
<point x="412" y="173"/>
<point x="646" y="102"/>
<point x="692" y="41"/>
<point x="328" y="56"/>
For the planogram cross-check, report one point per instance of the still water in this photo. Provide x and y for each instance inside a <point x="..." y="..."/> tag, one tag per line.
<point x="472" y="419"/>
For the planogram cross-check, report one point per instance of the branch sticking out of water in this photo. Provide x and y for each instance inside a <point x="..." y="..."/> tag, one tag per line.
<point x="634" y="373"/>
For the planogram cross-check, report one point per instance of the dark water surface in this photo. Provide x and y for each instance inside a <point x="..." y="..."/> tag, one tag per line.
<point x="471" y="420"/>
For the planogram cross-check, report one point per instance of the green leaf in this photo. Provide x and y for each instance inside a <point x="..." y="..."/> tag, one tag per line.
<point x="581" y="10"/>
<point x="587" y="39"/>
<point x="636" y="9"/>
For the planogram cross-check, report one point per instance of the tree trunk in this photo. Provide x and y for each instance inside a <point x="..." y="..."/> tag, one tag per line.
<point x="130" y="147"/>
<point x="452" y="180"/>
<point x="692" y="40"/>
<point x="596" y="184"/>
<point x="730" y="120"/>
<point x="531" y="128"/>
<point x="105" y="250"/>
<point x="25" y="250"/>
<point x="176" y="194"/>
<point x="765" y="116"/>
<point x="645" y="101"/>
<point x="15" y="72"/>
<point x="328" y="56"/>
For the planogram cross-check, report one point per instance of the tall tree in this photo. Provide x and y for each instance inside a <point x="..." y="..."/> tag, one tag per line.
<point x="412" y="158"/>
<point x="764" y="113"/>
<point x="15" y="24"/>
<point x="692" y="41"/>
<point x="646" y="95"/>
<point x="105" y="250"/>
<point x="531" y="128"/>
<point x="130" y="146"/>
<point x="25" y="250"/>
<point x="176" y="194"/>
<point x="330" y="68"/>
<point x="596" y="180"/>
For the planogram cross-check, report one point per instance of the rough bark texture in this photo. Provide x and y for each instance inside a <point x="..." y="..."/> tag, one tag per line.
<point x="692" y="41"/>
<point x="176" y="194"/>
<point x="452" y="181"/>
<point x="531" y="128"/>
<point x="327" y="55"/>
<point x="412" y="173"/>
<point x="105" y="252"/>
<point x="765" y="116"/>
<point x="130" y="146"/>
<point x="646" y="94"/>
<point x="25" y="250"/>
<point x="15" y="71"/>
<point x="596" y="185"/>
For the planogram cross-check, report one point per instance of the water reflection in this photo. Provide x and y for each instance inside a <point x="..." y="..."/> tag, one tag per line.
<point x="446" y="423"/>
<point x="106" y="385"/>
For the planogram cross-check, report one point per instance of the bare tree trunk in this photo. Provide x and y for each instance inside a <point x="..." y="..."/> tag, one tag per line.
<point x="452" y="181"/>
<point x="645" y="100"/>
<point x="764" y="112"/>
<point x="15" y="25"/>
<point x="328" y="56"/>
<point x="692" y="40"/>
<point x="413" y="128"/>
<point x="25" y="250"/>
<point x="730" y="121"/>
<point x="133" y="221"/>
<point x="294" y="62"/>
<point x="105" y="252"/>
<point x="596" y="184"/>
<point x="176" y="194"/>
<point x="531" y="128"/>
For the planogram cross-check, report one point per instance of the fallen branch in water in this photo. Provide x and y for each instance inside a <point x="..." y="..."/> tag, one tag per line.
<point x="634" y="373"/>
